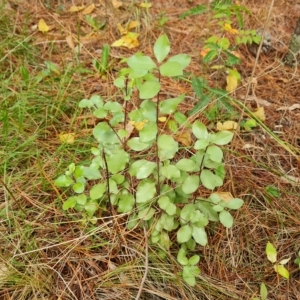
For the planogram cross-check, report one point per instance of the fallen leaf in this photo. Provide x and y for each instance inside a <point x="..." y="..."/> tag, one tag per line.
<point x="162" y="119"/>
<point x="133" y="24"/>
<point x="139" y="125"/>
<point x="290" y="179"/>
<point x="42" y="26"/>
<point x="184" y="138"/>
<point x="88" y="9"/>
<point x="227" y="125"/>
<point x="227" y="27"/>
<point x="129" y="41"/>
<point x="225" y="196"/>
<point x="67" y="138"/>
<point x="232" y="83"/>
<point x="260" y="114"/>
<point x="70" y="42"/>
<point x="204" y="52"/>
<point x="111" y="266"/>
<point x="146" y="5"/>
<point x="74" y="8"/>
<point x="294" y="106"/>
<point x="116" y="3"/>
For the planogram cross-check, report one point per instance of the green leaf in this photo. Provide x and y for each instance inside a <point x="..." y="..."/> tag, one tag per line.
<point x="105" y="135"/>
<point x="198" y="219"/>
<point x="97" y="100"/>
<point x="148" y="111"/>
<point x="85" y="103"/>
<point x="78" y="187"/>
<point x="81" y="199"/>
<point x="199" y="130"/>
<point x="170" y="105"/>
<point x="281" y="270"/>
<point x="184" y="234"/>
<point x="140" y="62"/>
<point x="183" y="59"/>
<point x="180" y="118"/>
<point x="119" y="83"/>
<point x="70" y="202"/>
<point x="145" y="191"/>
<point x="210" y="56"/>
<point x="97" y="191"/>
<point x="181" y="257"/>
<point x="172" y="125"/>
<point x="100" y="113"/>
<point x="163" y="202"/>
<point x="215" y="153"/>
<point x="149" y="89"/>
<point x="167" y="222"/>
<point x="222" y="138"/>
<point x="191" y="184"/>
<point x="91" y="207"/>
<point x="171" y="69"/>
<point x="194" y="260"/>
<point x="146" y="214"/>
<point x="191" y="244"/>
<point x="210" y="180"/>
<point x="161" y="48"/>
<point x="148" y="133"/>
<point x="167" y="147"/>
<point x="136" y="145"/>
<point x="201" y="144"/>
<point x="63" y="181"/>
<point x="117" y="161"/>
<point x="170" y="171"/>
<point x="235" y="203"/>
<point x="186" y="213"/>
<point x="273" y="191"/>
<point x="113" y="106"/>
<point x="187" y="165"/>
<point x="226" y="219"/>
<point x="263" y="291"/>
<point x="207" y="210"/>
<point x="199" y="235"/>
<point x="126" y="203"/>
<point x="223" y="43"/>
<point x="91" y="173"/>
<point x="142" y="168"/>
<point x="171" y="209"/>
<point x="271" y="252"/>
<point x="189" y="273"/>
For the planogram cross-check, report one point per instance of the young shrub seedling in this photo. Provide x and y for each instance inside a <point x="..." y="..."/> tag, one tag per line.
<point x="143" y="171"/>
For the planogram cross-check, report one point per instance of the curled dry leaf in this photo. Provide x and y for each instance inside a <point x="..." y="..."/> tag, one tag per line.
<point x="184" y="138"/>
<point x="227" y="125"/>
<point x="67" y="138"/>
<point x="88" y="9"/>
<point x="225" y="196"/>
<point x="74" y="8"/>
<point x="260" y="114"/>
<point x="70" y="42"/>
<point x="116" y="3"/>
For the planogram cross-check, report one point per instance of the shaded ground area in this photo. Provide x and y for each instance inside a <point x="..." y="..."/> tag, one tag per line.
<point x="45" y="253"/>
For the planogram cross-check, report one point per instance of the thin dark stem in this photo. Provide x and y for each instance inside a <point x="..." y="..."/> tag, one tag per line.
<point x="107" y="175"/>
<point x="157" y="157"/>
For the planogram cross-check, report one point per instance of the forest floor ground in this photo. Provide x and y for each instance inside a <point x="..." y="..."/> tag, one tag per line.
<point x="45" y="252"/>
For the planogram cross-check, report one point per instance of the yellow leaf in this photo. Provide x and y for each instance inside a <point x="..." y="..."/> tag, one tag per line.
<point x="129" y="41"/>
<point x="67" y="138"/>
<point x="74" y="8"/>
<point x="146" y="5"/>
<point x="43" y="27"/>
<point x="227" y="27"/>
<point x="89" y="9"/>
<point x="133" y="24"/>
<point x="232" y="83"/>
<point x="260" y="114"/>
<point x="227" y="125"/>
<point x="121" y="29"/>
<point x="204" y="52"/>
<point x="184" y="138"/>
<point x="116" y="3"/>
<point x="162" y="119"/>
<point x="139" y="125"/>
<point x="225" y="196"/>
